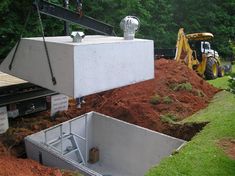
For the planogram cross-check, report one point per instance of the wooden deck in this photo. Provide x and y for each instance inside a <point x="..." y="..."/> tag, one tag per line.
<point x="7" y="80"/>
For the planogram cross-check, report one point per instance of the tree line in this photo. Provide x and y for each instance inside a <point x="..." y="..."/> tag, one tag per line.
<point x="160" y="20"/>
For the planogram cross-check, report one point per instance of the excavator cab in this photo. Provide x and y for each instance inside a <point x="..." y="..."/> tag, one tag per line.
<point x="196" y="47"/>
<point x="199" y="43"/>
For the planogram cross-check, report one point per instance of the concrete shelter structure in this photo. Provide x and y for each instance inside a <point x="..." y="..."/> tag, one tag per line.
<point x="124" y="149"/>
<point x="97" y="64"/>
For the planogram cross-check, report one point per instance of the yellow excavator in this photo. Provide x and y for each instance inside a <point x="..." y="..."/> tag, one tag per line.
<point x="195" y="51"/>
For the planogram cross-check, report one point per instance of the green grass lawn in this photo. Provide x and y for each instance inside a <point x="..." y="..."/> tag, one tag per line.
<point x="224" y="82"/>
<point x="202" y="156"/>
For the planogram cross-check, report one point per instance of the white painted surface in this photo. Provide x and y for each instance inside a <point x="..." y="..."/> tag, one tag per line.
<point x="3" y="120"/>
<point x="125" y="149"/>
<point x="129" y="150"/>
<point x="97" y="64"/>
<point x="59" y="103"/>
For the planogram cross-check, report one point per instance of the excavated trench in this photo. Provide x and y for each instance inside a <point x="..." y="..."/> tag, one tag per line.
<point x="185" y="131"/>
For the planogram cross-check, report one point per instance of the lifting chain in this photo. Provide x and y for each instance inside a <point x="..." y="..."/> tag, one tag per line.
<point x="21" y="35"/>
<point x="44" y="43"/>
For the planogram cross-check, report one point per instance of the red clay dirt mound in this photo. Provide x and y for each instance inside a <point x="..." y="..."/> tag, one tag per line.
<point x="176" y="91"/>
<point x="20" y="167"/>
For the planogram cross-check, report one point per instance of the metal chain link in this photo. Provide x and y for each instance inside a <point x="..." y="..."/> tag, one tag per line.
<point x="21" y="35"/>
<point x="45" y="46"/>
<point x="44" y="42"/>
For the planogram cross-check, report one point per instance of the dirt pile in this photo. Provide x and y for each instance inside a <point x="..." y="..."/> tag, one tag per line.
<point x="175" y="93"/>
<point x="228" y="146"/>
<point x="21" y="167"/>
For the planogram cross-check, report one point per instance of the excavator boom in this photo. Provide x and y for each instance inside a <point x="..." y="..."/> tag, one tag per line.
<point x="183" y="52"/>
<point x="62" y="13"/>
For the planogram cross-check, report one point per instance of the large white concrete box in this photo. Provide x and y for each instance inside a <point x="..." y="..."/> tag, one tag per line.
<point x="97" y="64"/>
<point x="124" y="149"/>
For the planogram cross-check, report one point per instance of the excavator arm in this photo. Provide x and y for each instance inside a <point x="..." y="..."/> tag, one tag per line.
<point x="184" y="53"/>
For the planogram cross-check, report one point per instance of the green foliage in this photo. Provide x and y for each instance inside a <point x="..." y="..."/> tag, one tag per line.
<point x="168" y="118"/>
<point x="217" y="17"/>
<point x="70" y="173"/>
<point x="232" y="84"/>
<point x="167" y="100"/>
<point x="182" y="86"/>
<point x="12" y="18"/>
<point x="199" y="93"/>
<point x="156" y="99"/>
<point x="160" y="20"/>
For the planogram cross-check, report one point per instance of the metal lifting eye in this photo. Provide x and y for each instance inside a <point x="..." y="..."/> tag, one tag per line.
<point x="77" y="36"/>
<point x="130" y="25"/>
